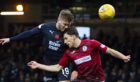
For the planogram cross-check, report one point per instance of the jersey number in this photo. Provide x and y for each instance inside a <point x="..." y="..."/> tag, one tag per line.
<point x="65" y="71"/>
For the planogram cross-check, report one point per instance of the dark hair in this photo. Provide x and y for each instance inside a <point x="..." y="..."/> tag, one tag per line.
<point x="72" y="31"/>
<point x="66" y="14"/>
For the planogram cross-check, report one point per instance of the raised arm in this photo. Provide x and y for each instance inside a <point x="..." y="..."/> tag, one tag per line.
<point x="22" y="35"/>
<point x="51" y="68"/>
<point x="118" y="54"/>
<point x="26" y="34"/>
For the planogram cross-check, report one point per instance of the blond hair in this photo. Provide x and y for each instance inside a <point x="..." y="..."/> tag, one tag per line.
<point x="66" y="15"/>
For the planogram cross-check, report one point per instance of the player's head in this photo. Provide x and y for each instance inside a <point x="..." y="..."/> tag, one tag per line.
<point x="65" y="19"/>
<point x="70" y="36"/>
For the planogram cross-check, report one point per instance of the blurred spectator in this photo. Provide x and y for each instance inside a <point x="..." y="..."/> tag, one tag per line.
<point x="84" y="37"/>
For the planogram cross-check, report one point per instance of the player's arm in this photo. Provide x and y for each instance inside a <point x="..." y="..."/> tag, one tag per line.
<point x="118" y="54"/>
<point x="20" y="36"/>
<point x="4" y="41"/>
<point x="51" y="68"/>
<point x="74" y="75"/>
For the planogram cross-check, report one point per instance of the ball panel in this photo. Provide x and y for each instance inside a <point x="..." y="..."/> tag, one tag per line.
<point x="106" y="12"/>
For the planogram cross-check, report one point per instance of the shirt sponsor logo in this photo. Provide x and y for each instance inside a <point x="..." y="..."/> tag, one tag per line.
<point x="54" y="45"/>
<point x="82" y="60"/>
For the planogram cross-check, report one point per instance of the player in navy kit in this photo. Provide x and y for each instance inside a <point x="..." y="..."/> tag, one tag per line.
<point x="85" y="55"/>
<point x="53" y="43"/>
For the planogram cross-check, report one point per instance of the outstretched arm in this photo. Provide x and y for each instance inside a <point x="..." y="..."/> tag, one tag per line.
<point x="26" y="34"/>
<point x="52" y="68"/>
<point x="118" y="54"/>
<point x="22" y="35"/>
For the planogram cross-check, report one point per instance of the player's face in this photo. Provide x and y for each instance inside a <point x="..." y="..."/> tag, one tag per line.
<point x="69" y="40"/>
<point x="63" y="24"/>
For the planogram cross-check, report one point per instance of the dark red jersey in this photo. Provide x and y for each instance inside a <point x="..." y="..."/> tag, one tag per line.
<point x="87" y="59"/>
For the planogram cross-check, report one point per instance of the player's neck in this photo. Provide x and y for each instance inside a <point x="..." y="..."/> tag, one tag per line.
<point x="77" y="43"/>
<point x="57" y="26"/>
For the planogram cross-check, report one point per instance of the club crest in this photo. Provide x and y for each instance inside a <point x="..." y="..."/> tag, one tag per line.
<point x="84" y="48"/>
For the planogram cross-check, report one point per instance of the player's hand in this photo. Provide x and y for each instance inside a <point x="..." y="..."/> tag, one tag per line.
<point x="127" y="58"/>
<point x="74" y="75"/>
<point x="33" y="64"/>
<point x="4" y="41"/>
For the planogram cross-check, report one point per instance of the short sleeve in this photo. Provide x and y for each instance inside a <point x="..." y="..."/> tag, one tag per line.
<point x="64" y="61"/>
<point x="99" y="45"/>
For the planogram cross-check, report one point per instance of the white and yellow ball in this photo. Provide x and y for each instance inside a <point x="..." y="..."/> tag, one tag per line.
<point x="106" y="12"/>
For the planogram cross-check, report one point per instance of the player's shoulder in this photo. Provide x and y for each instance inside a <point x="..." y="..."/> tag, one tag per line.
<point x="89" y="41"/>
<point x="48" y="25"/>
<point x="69" y="50"/>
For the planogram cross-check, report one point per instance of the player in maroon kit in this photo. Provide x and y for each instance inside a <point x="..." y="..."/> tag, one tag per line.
<point x="85" y="55"/>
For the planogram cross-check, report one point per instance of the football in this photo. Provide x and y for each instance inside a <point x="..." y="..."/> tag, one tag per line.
<point x="106" y="12"/>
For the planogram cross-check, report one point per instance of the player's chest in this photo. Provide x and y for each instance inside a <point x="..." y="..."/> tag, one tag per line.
<point x="82" y="55"/>
<point x="52" y="34"/>
<point x="81" y="52"/>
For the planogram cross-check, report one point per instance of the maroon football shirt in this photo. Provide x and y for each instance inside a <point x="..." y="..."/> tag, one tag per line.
<point x="87" y="59"/>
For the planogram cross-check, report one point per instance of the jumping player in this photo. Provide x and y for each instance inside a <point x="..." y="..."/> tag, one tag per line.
<point x="85" y="55"/>
<point x="53" y="43"/>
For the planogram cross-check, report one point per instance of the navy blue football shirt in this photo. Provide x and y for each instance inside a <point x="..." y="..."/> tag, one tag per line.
<point x="53" y="42"/>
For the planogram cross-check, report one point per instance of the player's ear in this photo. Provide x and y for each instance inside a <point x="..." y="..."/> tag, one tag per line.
<point x="58" y="19"/>
<point x="74" y="37"/>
